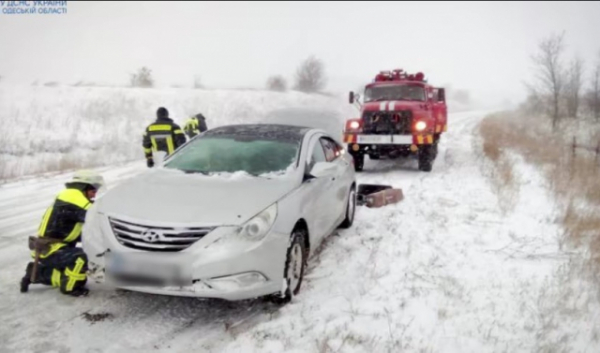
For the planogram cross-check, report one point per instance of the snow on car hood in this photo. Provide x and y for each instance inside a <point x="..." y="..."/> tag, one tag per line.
<point x="170" y="196"/>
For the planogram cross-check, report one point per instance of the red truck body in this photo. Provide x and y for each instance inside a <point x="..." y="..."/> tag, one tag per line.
<point x="402" y="115"/>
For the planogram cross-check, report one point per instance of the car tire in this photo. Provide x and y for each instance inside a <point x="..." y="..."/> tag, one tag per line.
<point x="374" y="157"/>
<point x="350" y="209"/>
<point x="295" y="265"/>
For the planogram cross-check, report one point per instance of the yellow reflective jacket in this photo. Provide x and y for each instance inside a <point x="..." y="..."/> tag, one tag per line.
<point x="64" y="220"/>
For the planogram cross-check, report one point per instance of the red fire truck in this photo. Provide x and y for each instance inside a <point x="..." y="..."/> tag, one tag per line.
<point x="402" y="116"/>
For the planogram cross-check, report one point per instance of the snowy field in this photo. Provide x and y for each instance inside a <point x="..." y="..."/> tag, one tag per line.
<point x="63" y="128"/>
<point x="443" y="271"/>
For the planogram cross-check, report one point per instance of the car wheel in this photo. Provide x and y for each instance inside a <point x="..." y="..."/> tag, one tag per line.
<point x="350" y="209"/>
<point x="295" y="265"/>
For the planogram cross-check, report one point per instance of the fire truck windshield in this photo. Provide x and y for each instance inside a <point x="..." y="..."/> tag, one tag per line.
<point x="396" y="92"/>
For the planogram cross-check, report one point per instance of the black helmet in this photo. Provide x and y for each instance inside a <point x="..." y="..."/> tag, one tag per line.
<point x="162" y="113"/>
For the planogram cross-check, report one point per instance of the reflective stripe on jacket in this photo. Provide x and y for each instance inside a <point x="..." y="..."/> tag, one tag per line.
<point x="195" y="125"/>
<point x="162" y="135"/>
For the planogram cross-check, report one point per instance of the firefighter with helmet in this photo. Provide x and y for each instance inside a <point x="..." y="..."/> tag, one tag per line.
<point x="195" y="125"/>
<point x="57" y="260"/>
<point x="163" y="135"/>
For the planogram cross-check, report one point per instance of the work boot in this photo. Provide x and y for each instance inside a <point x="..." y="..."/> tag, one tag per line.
<point x="79" y="292"/>
<point x="26" y="280"/>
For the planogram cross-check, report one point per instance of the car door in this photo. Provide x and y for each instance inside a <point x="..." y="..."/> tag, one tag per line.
<point x="339" y="185"/>
<point x="316" y="194"/>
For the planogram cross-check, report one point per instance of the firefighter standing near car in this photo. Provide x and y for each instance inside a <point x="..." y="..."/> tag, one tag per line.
<point x="163" y="135"/>
<point x="57" y="260"/>
<point x="195" y="125"/>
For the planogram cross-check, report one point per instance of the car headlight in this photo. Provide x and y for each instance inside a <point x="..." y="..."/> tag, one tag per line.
<point x="258" y="227"/>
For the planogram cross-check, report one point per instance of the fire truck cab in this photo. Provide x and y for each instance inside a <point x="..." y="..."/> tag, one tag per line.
<point x="401" y="116"/>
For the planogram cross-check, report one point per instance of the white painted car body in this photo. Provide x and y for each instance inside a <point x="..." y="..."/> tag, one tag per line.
<point x="132" y="225"/>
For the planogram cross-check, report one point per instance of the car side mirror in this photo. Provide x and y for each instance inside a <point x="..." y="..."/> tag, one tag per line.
<point x="441" y="95"/>
<point x="351" y="98"/>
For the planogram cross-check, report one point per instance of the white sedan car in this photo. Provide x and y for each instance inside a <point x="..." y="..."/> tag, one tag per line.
<point x="233" y="214"/>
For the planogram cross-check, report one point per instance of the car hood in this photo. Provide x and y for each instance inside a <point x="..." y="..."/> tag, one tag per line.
<point x="166" y="196"/>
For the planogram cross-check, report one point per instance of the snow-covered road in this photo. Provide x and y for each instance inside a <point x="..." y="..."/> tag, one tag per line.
<point x="443" y="271"/>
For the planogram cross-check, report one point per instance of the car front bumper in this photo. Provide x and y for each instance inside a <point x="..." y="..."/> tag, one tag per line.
<point x="220" y="265"/>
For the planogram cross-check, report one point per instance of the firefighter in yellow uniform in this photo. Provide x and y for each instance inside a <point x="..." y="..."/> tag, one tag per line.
<point x="62" y="264"/>
<point x="195" y="125"/>
<point x="163" y="135"/>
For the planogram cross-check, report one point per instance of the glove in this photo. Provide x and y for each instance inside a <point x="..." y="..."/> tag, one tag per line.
<point x="150" y="163"/>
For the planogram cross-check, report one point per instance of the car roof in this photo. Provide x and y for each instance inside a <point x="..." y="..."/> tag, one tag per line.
<point x="264" y="131"/>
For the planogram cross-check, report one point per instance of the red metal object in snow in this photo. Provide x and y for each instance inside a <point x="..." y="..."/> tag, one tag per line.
<point x="375" y="195"/>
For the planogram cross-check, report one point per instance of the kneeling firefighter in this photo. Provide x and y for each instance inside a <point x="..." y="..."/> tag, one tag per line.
<point x="57" y="261"/>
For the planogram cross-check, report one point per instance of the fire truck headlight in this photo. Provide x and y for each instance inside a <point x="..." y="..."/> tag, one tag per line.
<point x="354" y="125"/>
<point x="421" y="125"/>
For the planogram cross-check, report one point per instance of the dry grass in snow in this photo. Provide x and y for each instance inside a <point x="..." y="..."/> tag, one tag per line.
<point x="574" y="178"/>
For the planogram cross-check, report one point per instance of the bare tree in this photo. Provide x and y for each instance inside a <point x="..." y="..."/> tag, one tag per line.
<point x="550" y="74"/>
<point x="310" y="76"/>
<point x="593" y="95"/>
<point x="573" y="88"/>
<point x="277" y="83"/>
<point x="143" y="78"/>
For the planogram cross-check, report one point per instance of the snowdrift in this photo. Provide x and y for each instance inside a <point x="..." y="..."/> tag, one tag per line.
<point x="47" y="129"/>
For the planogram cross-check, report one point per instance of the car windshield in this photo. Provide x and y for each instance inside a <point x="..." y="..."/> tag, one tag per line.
<point x="398" y="92"/>
<point x="232" y="154"/>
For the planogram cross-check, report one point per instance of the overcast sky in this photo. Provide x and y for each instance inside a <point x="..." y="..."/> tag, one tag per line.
<point x="482" y="47"/>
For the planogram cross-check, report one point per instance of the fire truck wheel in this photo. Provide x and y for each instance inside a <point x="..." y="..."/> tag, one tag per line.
<point x="426" y="156"/>
<point x="359" y="162"/>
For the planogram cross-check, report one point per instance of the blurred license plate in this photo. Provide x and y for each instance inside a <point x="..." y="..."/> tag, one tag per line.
<point x="402" y="139"/>
<point x="374" y="139"/>
<point x="131" y="266"/>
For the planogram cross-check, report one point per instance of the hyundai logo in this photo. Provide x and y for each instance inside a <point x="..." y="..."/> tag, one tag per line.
<point x="151" y="236"/>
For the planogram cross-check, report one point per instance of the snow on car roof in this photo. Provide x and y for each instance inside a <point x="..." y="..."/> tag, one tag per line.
<point x="277" y="132"/>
